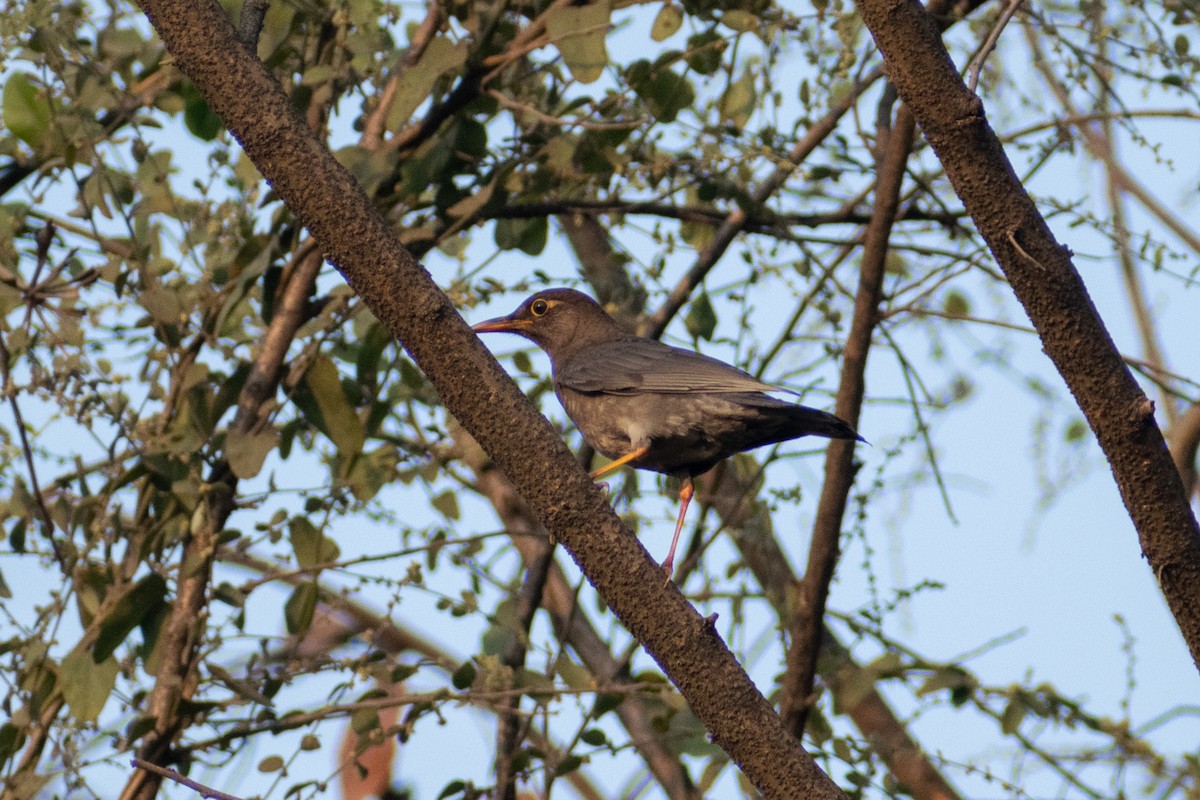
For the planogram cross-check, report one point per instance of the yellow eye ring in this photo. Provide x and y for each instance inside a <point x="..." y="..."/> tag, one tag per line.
<point x="539" y="308"/>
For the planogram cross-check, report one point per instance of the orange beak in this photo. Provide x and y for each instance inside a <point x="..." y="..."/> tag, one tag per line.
<point x="503" y="325"/>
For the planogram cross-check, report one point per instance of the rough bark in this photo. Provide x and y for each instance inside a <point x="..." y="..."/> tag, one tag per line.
<point x="401" y="294"/>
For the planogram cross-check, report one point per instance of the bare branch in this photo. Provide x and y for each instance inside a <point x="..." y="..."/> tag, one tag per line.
<point x="1072" y="333"/>
<point x="807" y="626"/>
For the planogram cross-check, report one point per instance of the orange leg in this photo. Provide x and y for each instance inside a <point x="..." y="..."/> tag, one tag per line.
<point x="685" y="498"/>
<point x="620" y="462"/>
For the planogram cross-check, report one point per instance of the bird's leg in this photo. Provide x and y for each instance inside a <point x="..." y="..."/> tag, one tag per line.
<point x="686" y="490"/>
<point x="620" y="462"/>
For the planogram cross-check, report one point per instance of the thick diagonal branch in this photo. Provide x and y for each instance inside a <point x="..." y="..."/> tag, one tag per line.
<point x="402" y="295"/>
<point x="1047" y="284"/>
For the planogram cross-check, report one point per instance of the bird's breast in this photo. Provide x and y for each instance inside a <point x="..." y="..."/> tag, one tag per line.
<point x="672" y="425"/>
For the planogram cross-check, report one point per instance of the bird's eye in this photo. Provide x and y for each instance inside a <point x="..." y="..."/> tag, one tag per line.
<point x="539" y="308"/>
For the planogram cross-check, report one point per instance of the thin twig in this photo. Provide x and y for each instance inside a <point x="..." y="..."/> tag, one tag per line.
<point x="509" y="730"/>
<point x="172" y="775"/>
<point x="989" y="44"/>
<point x="27" y="452"/>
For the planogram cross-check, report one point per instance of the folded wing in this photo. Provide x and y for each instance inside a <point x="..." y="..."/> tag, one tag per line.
<point x="633" y="366"/>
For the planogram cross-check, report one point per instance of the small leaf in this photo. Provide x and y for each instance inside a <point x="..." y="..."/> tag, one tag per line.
<point x="306" y="541"/>
<point x="86" y="685"/>
<point x="1077" y="430"/>
<point x="568" y="765"/>
<point x="527" y="235"/>
<point x="956" y="305"/>
<point x="739" y="101"/>
<point x="704" y="51"/>
<point x="271" y="764"/>
<point x="440" y="57"/>
<point x="11" y="740"/>
<point x="300" y="607"/>
<point x="1014" y="713"/>
<point x="200" y="119"/>
<point x="452" y="788"/>
<point x="447" y="504"/>
<point x="605" y="702"/>
<point x="668" y="21"/>
<point x="464" y="676"/>
<point x="142" y="601"/>
<point x="579" y="31"/>
<point x="739" y="20"/>
<point x="594" y="736"/>
<point x="701" y="319"/>
<point x="338" y="419"/>
<point x="664" y="92"/>
<point x="247" y="452"/>
<point x="27" y="110"/>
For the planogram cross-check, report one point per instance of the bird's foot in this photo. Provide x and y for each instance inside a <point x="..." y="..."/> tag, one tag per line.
<point x="667" y="568"/>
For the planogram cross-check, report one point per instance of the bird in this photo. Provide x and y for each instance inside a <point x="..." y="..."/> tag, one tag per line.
<point x="651" y="406"/>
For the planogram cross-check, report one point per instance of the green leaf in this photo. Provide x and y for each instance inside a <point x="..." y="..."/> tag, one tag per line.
<point x="271" y="764"/>
<point x="201" y="120"/>
<point x="308" y="543"/>
<point x="568" y="765"/>
<point x="701" y="319"/>
<point x="247" y="452"/>
<point x="527" y="235"/>
<point x="740" y="20"/>
<point x="447" y="504"/>
<point x="594" y="737"/>
<point x="5" y="592"/>
<point x="739" y="101"/>
<point x="1077" y="430"/>
<point x="956" y="304"/>
<point x="339" y="421"/>
<point x="704" y="51"/>
<point x="578" y="31"/>
<point x="464" y="676"/>
<point x="140" y="602"/>
<point x="11" y="740"/>
<point x="86" y="685"/>
<point x="452" y="788"/>
<point x="300" y="607"/>
<point x="668" y="21"/>
<point x="27" y="110"/>
<point x="605" y="702"/>
<point x="441" y="56"/>
<point x="664" y="92"/>
<point x="1014" y="713"/>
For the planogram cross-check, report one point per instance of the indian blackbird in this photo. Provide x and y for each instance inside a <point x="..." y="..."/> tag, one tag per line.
<point x="651" y="406"/>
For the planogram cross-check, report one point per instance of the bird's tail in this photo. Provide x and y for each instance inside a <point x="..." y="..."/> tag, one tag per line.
<point x="812" y="422"/>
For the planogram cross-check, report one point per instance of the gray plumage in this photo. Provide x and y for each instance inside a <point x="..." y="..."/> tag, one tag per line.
<point x="651" y="406"/>
<point x="624" y="392"/>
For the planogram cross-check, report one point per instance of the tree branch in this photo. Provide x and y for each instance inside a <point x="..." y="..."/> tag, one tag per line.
<point x="1043" y="278"/>
<point x="473" y="388"/>
<point x="807" y="626"/>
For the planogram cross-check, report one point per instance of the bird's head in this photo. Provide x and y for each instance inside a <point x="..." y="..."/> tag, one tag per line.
<point x="560" y="321"/>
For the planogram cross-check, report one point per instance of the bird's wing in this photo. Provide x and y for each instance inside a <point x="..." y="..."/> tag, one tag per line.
<point x="633" y="366"/>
